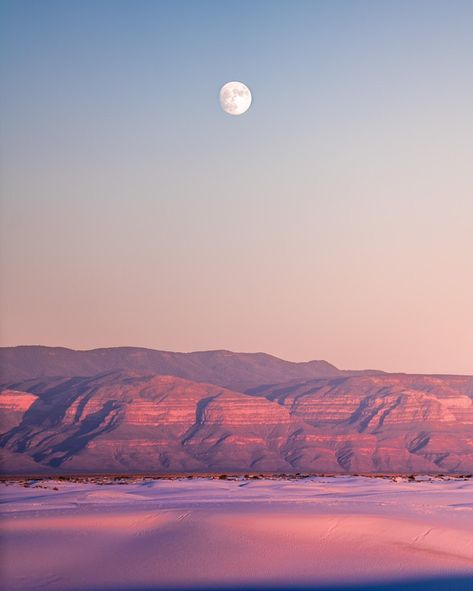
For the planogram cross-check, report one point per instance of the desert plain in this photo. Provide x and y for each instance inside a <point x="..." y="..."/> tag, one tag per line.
<point x="318" y="532"/>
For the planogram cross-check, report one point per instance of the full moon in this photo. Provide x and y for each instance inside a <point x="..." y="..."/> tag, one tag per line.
<point x="235" y="98"/>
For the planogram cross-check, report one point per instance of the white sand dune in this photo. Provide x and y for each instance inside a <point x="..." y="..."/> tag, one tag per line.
<point x="211" y="533"/>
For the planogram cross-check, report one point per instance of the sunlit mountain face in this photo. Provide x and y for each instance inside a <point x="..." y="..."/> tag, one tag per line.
<point x="239" y="412"/>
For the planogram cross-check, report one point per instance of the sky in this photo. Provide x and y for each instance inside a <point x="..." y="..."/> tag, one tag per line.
<point x="333" y="220"/>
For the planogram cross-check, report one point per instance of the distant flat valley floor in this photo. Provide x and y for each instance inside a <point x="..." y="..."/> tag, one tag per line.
<point x="313" y="533"/>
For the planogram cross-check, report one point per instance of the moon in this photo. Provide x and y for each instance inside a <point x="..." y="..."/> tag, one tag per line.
<point x="235" y="98"/>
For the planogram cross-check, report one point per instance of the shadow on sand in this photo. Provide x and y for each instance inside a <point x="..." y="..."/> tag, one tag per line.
<point x="453" y="583"/>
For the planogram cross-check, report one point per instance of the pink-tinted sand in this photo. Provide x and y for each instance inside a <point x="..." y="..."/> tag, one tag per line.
<point x="185" y="533"/>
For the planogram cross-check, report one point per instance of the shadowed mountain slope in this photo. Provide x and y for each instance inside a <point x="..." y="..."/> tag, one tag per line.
<point x="237" y="371"/>
<point x="123" y="421"/>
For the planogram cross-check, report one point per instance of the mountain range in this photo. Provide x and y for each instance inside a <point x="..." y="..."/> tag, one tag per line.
<point x="139" y="410"/>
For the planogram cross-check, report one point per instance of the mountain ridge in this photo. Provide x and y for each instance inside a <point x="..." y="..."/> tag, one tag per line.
<point x="237" y="371"/>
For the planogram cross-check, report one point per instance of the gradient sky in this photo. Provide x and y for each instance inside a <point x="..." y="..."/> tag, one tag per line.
<point x="333" y="220"/>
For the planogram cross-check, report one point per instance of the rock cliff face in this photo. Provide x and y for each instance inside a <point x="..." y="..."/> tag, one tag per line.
<point x="387" y="422"/>
<point x="13" y="406"/>
<point x="124" y="421"/>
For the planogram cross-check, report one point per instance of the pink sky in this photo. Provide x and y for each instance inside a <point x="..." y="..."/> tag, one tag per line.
<point x="333" y="220"/>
